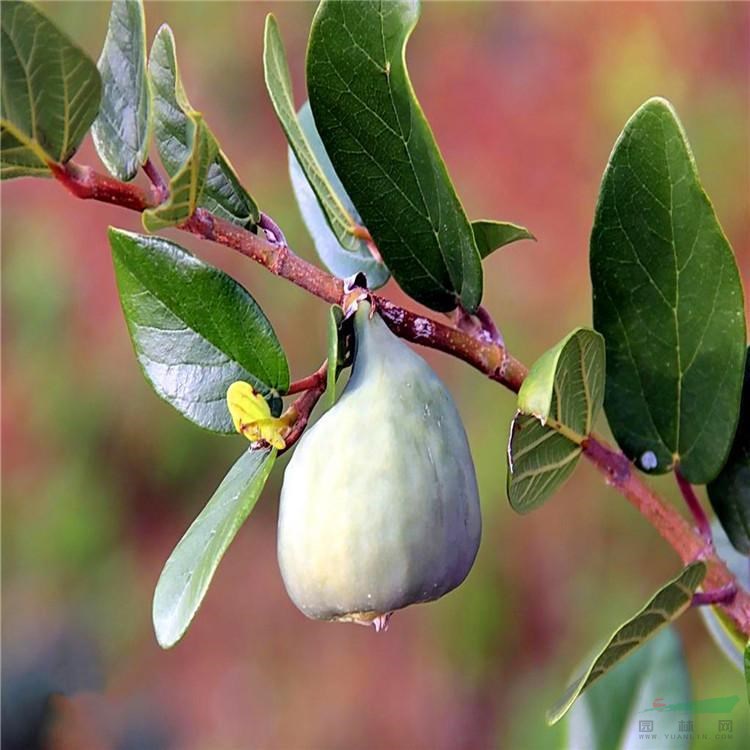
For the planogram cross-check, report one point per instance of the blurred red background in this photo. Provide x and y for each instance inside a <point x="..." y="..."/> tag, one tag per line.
<point x="101" y="478"/>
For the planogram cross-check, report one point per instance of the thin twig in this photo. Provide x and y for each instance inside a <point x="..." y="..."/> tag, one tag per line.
<point x="693" y="503"/>
<point x="491" y="359"/>
<point x="160" y="186"/>
<point x="723" y="595"/>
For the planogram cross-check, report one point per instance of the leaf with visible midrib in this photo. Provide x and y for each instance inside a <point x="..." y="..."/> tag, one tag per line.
<point x="194" y="329"/>
<point x="121" y="130"/>
<point x="384" y="152"/>
<point x="669" y="602"/>
<point x="50" y="93"/>
<point x="605" y="716"/>
<point x="668" y="300"/>
<point x="558" y="402"/>
<point x="223" y="193"/>
<point x="730" y="491"/>
<point x="191" y="566"/>
<point x="279" y="86"/>
<point x="339" y="261"/>
<point x="188" y="184"/>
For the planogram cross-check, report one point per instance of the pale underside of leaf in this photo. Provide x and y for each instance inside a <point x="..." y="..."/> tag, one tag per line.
<point x="223" y="193"/>
<point x="122" y="128"/>
<point x="186" y="186"/>
<point x="279" y="85"/>
<point x="340" y="261"/>
<point x="664" y="607"/>
<point x="191" y="566"/>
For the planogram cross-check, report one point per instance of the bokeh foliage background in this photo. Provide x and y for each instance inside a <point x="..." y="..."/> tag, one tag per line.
<point x="100" y="478"/>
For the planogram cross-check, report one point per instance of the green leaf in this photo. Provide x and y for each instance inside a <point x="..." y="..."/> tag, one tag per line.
<point x="558" y="403"/>
<point x="194" y="329"/>
<point x="730" y="491"/>
<point x="191" y="566"/>
<point x="492" y="235"/>
<point x="50" y="93"/>
<point x="724" y="632"/>
<point x="342" y="262"/>
<point x="606" y="716"/>
<point x="382" y="148"/>
<point x="339" y="216"/>
<point x="539" y="461"/>
<point x="188" y="184"/>
<point x="121" y="131"/>
<point x="665" y="606"/>
<point x="668" y="300"/>
<point x="747" y="670"/>
<point x="223" y="195"/>
<point x="335" y="316"/>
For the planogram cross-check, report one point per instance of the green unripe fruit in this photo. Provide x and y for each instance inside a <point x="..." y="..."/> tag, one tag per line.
<point x="379" y="507"/>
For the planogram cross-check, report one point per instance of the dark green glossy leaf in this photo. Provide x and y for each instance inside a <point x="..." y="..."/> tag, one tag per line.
<point x="606" y="716"/>
<point x="730" y="491"/>
<point x="189" y="183"/>
<point x="194" y="329"/>
<point x="339" y="216"/>
<point x="50" y="93"/>
<point x="722" y="629"/>
<point x="558" y="402"/>
<point x="668" y="299"/>
<point x="665" y="606"/>
<point x="223" y="193"/>
<point x="492" y="235"/>
<point x="191" y="566"/>
<point x="340" y="261"/>
<point x="382" y="148"/>
<point x="122" y="129"/>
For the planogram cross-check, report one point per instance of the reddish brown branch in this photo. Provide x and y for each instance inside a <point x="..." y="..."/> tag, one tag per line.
<point x="88" y="184"/>
<point x="672" y="527"/>
<point x="304" y="405"/>
<point x="489" y="358"/>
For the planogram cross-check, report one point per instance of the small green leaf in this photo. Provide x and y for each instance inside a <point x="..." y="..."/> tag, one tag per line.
<point x="558" y="402"/>
<point x="382" y="148"/>
<point x="121" y="131"/>
<point x="747" y="670"/>
<point x="668" y="300"/>
<point x="606" y="716"/>
<point x="339" y="216"/>
<point x="223" y="193"/>
<point x="669" y="602"/>
<point x="492" y="235"/>
<point x="340" y="261"/>
<point x="50" y="93"/>
<point x="539" y="461"/>
<point x="194" y="329"/>
<point x="724" y="632"/>
<point x="191" y="566"/>
<point x="188" y="184"/>
<point x="572" y="370"/>
<point x="730" y="491"/>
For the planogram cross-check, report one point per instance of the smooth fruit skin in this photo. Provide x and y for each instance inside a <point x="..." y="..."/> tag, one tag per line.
<point x="379" y="507"/>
